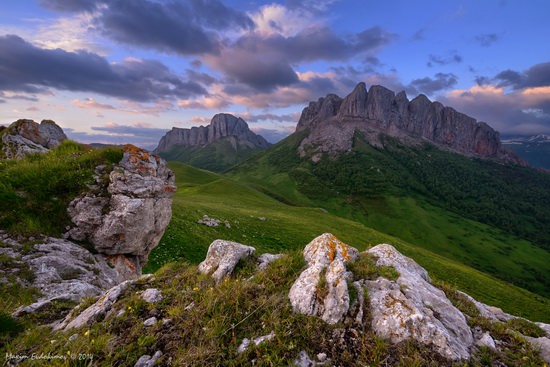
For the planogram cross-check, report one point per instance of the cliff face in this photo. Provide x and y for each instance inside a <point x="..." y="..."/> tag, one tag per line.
<point x="382" y="111"/>
<point x="222" y="125"/>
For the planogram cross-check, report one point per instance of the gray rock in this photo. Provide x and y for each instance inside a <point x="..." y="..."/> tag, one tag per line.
<point x="259" y="340"/>
<point x="126" y="225"/>
<point x="413" y="308"/>
<point x="151" y="295"/>
<point x="222" y="257"/>
<point x="150" y="321"/>
<point x="73" y="337"/>
<point x="25" y="137"/>
<point x="303" y="360"/>
<point x="326" y="257"/>
<point x="265" y="259"/>
<point x="543" y="345"/>
<point x="222" y="126"/>
<point x="64" y="271"/>
<point x="148" y="361"/>
<point x="99" y="309"/>
<point x="545" y="327"/>
<point x="486" y="341"/>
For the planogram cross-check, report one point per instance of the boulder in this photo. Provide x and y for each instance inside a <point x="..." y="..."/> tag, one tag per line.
<point x="413" y="308"/>
<point x="128" y="222"/>
<point x="265" y="259"/>
<point x="151" y="295"/>
<point x="543" y="345"/>
<point x="222" y="257"/>
<point x="147" y="360"/>
<point x="321" y="289"/>
<point x="24" y="137"/>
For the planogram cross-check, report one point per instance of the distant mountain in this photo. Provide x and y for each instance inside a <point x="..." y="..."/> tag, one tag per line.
<point x="225" y="142"/>
<point x="534" y="149"/>
<point x="333" y="121"/>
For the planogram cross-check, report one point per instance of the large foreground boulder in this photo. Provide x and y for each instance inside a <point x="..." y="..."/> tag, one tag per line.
<point x="413" y="308"/>
<point x="126" y="220"/>
<point x="24" y="137"/>
<point x="222" y="257"/>
<point x="322" y="289"/>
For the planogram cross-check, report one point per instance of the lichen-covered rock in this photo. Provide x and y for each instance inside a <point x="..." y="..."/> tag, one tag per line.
<point x="222" y="257"/>
<point x="152" y="295"/>
<point x="321" y="289"/>
<point x="543" y="345"/>
<point x="413" y="308"/>
<point x="62" y="271"/>
<point x="24" y="137"/>
<point x="128" y="223"/>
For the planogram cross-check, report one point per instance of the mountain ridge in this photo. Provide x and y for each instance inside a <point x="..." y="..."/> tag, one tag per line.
<point x="222" y="125"/>
<point x="333" y="121"/>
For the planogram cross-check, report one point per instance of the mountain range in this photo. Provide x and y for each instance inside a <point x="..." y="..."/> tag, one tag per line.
<point x="225" y="142"/>
<point x="535" y="149"/>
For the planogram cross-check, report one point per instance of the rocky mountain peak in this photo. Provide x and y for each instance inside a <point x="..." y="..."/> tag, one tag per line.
<point x="334" y="121"/>
<point x="221" y="126"/>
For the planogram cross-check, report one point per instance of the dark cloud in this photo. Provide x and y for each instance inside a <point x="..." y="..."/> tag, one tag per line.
<point x="2" y="101"/>
<point x="136" y="130"/>
<point x="444" y="60"/>
<point x="27" y="68"/>
<point x="419" y="35"/>
<point x="536" y="76"/>
<point x="69" y="5"/>
<point x="184" y="28"/>
<point x="482" y="80"/>
<point x="265" y="62"/>
<point x="486" y="40"/>
<point x="201" y="78"/>
<point x="442" y="81"/>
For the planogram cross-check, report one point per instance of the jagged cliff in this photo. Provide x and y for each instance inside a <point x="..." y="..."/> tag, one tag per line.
<point x="333" y="121"/>
<point x="223" y="125"/>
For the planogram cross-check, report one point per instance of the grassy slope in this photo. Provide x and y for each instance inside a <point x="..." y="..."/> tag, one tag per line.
<point x="405" y="215"/>
<point x="291" y="227"/>
<point x="217" y="156"/>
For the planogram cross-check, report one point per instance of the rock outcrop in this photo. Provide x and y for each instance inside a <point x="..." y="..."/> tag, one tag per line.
<point x="322" y="288"/>
<point x="24" y="137"/>
<point x="126" y="216"/>
<point x="61" y="271"/>
<point x="333" y="121"/>
<point x="413" y="308"/>
<point x="222" y="257"/>
<point x="222" y="126"/>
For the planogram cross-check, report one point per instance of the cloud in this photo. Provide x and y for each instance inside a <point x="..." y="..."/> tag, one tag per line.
<point x="419" y="35"/>
<point x="453" y="57"/>
<point x="250" y="117"/>
<point x="185" y="28"/>
<point x="33" y="108"/>
<point x="137" y="130"/>
<point x="69" y="5"/>
<point x="442" y="81"/>
<point x="27" y="68"/>
<point x="522" y="112"/>
<point x="536" y="76"/>
<point x="90" y="103"/>
<point x="486" y="40"/>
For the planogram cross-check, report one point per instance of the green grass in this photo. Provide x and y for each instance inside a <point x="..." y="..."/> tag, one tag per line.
<point x="289" y="227"/>
<point x="35" y="191"/>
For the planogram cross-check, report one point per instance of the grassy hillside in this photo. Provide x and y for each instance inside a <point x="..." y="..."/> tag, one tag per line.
<point x="469" y="210"/>
<point x="35" y="191"/>
<point x="217" y="156"/>
<point x="289" y="227"/>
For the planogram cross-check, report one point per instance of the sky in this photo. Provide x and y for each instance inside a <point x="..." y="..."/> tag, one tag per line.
<point x="127" y="71"/>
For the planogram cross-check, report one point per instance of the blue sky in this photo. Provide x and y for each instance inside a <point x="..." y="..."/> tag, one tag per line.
<point x="128" y="71"/>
